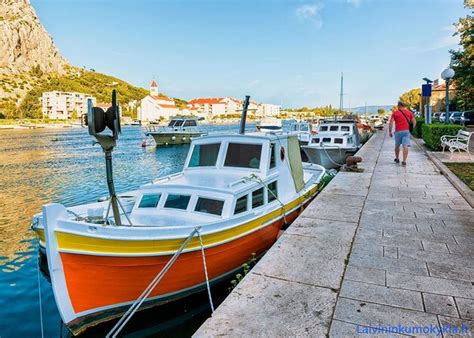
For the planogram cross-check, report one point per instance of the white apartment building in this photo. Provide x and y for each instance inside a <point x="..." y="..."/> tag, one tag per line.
<point x="64" y="105"/>
<point x="268" y="109"/>
<point x="154" y="107"/>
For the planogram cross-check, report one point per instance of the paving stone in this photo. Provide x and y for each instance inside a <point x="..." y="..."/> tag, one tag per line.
<point x="390" y="251"/>
<point x="317" y="257"/>
<point x="369" y="314"/>
<point x="389" y="264"/>
<point x="343" y="329"/>
<point x="449" y="271"/>
<point x="465" y="307"/>
<point x="463" y="250"/>
<point x="436" y="246"/>
<point x="367" y="275"/>
<point x="440" y="305"/>
<point x="450" y="325"/>
<point x="382" y="295"/>
<point x="263" y="306"/>
<point x="436" y="257"/>
<point x="439" y="286"/>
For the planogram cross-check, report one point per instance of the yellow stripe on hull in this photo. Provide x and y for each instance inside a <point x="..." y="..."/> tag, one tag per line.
<point x="79" y="243"/>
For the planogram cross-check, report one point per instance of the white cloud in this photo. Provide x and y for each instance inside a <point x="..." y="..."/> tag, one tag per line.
<point x="310" y="13"/>
<point x="355" y="3"/>
<point x="444" y="42"/>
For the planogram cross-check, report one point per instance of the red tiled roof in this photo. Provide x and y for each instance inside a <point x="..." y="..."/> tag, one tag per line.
<point x="209" y="100"/>
<point x="154" y="84"/>
<point x="167" y="105"/>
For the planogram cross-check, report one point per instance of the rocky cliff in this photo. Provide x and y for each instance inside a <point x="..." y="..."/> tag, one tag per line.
<point x="24" y="43"/>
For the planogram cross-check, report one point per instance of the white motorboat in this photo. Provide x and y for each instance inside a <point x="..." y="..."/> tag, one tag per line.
<point x="334" y="142"/>
<point x="269" y="125"/>
<point x="179" y="131"/>
<point x="304" y="131"/>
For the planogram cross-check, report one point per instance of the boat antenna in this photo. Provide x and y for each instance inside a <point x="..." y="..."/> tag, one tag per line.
<point x="341" y="94"/>
<point x="97" y="121"/>
<point x="243" y="117"/>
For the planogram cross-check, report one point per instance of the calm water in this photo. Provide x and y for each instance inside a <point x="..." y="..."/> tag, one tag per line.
<point x="42" y="166"/>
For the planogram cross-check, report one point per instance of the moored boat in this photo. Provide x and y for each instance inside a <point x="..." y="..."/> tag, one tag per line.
<point x="334" y="142"/>
<point x="234" y="195"/>
<point x="178" y="131"/>
<point x="304" y="131"/>
<point x="269" y="125"/>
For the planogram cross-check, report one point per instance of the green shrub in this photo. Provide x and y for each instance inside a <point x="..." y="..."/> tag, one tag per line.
<point x="417" y="131"/>
<point x="432" y="133"/>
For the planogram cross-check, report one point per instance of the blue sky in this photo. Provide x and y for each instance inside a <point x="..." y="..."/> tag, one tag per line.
<point x="283" y="52"/>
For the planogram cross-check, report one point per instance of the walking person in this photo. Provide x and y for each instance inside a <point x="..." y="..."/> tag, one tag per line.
<point x="402" y="117"/>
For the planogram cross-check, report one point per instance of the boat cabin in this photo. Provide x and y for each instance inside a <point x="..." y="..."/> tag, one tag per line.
<point x="338" y="133"/>
<point x="222" y="178"/>
<point x="182" y="122"/>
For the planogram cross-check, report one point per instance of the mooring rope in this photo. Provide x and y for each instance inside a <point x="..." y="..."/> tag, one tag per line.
<point x="40" y="299"/>
<point x="144" y="295"/>
<point x="330" y="159"/>
<point x="205" y="270"/>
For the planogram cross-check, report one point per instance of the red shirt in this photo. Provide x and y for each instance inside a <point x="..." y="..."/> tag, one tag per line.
<point x="401" y="122"/>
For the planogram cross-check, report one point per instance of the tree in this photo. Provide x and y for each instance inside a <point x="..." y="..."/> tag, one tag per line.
<point x="412" y="98"/>
<point x="381" y="112"/>
<point x="463" y="61"/>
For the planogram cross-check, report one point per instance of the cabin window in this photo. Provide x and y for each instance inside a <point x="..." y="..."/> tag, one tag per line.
<point x="272" y="156"/>
<point x="349" y="140"/>
<point x="304" y="127"/>
<point x="240" y="205"/>
<point x="190" y="123"/>
<point x="316" y="140"/>
<point x="209" y="206"/>
<point x="294" y="127"/>
<point x="171" y="124"/>
<point x="177" y="201"/>
<point x="334" y="128"/>
<point x="149" y="201"/>
<point x="178" y="123"/>
<point x="243" y="155"/>
<point x="338" y="140"/>
<point x="326" y="140"/>
<point x="257" y="198"/>
<point x="204" y="155"/>
<point x="345" y="128"/>
<point x="273" y="192"/>
<point x="324" y="128"/>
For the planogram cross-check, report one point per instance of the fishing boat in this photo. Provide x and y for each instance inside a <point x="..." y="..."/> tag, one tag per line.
<point x="269" y="125"/>
<point x="233" y="196"/>
<point x="333" y="143"/>
<point x="178" y="131"/>
<point x="303" y="130"/>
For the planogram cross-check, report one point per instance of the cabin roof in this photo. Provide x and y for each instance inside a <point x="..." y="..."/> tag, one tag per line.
<point x="249" y="136"/>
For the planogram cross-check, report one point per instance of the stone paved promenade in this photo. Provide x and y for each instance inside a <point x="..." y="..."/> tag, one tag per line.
<point x="389" y="246"/>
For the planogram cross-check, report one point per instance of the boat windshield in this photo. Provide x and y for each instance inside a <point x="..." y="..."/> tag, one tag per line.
<point x="243" y="155"/>
<point x="204" y="155"/>
<point x="171" y="124"/>
<point x="304" y="127"/>
<point x="178" y="123"/>
<point x="190" y="123"/>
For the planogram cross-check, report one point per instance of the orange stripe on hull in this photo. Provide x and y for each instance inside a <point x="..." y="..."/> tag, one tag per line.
<point x="103" y="281"/>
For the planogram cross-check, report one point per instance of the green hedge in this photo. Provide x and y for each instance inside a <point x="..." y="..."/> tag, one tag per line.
<point x="417" y="131"/>
<point x="432" y="133"/>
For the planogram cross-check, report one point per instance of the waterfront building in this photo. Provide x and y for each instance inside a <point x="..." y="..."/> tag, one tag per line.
<point x="64" y="105"/>
<point x="156" y="107"/>
<point x="268" y="109"/>
<point x="438" y="95"/>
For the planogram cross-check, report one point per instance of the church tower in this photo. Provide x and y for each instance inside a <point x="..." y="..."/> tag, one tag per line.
<point x="154" y="88"/>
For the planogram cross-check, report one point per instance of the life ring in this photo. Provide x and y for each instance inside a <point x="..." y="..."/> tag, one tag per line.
<point x="282" y="153"/>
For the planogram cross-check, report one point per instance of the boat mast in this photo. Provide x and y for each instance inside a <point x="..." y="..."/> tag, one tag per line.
<point x="341" y="94"/>
<point x="243" y="117"/>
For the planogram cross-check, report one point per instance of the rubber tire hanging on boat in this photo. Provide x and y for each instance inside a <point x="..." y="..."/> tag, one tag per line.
<point x="282" y="153"/>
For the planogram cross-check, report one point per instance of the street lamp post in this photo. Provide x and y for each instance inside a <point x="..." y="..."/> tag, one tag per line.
<point x="447" y="75"/>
